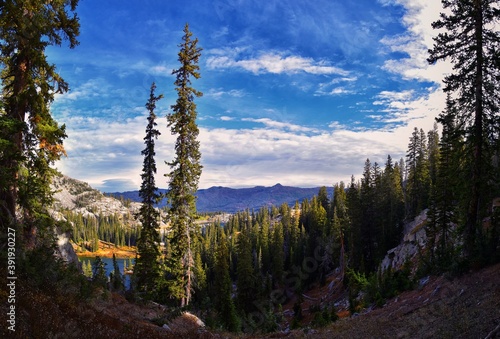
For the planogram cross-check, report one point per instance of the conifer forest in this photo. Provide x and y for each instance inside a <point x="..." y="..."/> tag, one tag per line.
<point x="237" y="274"/>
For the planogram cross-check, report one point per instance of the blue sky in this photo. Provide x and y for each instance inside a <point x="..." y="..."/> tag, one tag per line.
<point x="295" y="92"/>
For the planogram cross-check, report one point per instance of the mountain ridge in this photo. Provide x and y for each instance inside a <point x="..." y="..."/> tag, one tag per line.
<point x="227" y="199"/>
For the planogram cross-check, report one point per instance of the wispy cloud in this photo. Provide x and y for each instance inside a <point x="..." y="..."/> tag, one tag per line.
<point x="280" y="125"/>
<point x="91" y="89"/>
<point x="218" y="93"/>
<point x="276" y="63"/>
<point x="332" y="87"/>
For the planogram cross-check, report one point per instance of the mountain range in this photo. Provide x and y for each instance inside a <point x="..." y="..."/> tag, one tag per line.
<point x="230" y="200"/>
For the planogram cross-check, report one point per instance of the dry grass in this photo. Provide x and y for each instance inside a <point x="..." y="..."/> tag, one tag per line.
<point x="465" y="307"/>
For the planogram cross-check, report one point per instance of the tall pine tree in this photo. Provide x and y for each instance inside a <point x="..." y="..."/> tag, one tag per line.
<point x="147" y="267"/>
<point x="185" y="169"/>
<point x="471" y="41"/>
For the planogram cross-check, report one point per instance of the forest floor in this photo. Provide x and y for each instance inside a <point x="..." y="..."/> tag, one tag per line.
<point x="462" y="307"/>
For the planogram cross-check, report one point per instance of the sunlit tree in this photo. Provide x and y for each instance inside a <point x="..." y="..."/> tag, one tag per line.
<point x="185" y="169"/>
<point x="147" y="267"/>
<point x="30" y="139"/>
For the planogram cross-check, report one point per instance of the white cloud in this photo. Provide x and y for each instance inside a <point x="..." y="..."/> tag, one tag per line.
<point x="273" y="62"/>
<point x="101" y="151"/>
<point x="93" y="88"/>
<point x="265" y="156"/>
<point x="280" y="125"/>
<point x="415" y="42"/>
<point x="330" y="88"/>
<point x="388" y="96"/>
<point x="218" y="93"/>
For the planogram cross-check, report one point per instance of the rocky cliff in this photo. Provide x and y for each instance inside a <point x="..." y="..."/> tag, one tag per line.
<point x="415" y="238"/>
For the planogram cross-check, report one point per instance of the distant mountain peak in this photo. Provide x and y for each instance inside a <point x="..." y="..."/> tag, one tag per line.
<point x="225" y="199"/>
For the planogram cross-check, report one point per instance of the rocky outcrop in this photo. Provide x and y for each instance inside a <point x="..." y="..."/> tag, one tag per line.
<point x="81" y="198"/>
<point x="185" y="325"/>
<point x="65" y="251"/>
<point x="415" y="238"/>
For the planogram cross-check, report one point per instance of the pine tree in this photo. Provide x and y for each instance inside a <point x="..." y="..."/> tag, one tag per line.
<point x="367" y="225"/>
<point x="418" y="184"/>
<point x="278" y="253"/>
<point x="99" y="272"/>
<point x="341" y="223"/>
<point x="246" y="280"/>
<point x="223" y="287"/>
<point x="185" y="168"/>
<point x="471" y="41"/>
<point x="355" y="247"/>
<point x="30" y="139"/>
<point x="392" y="206"/>
<point x="116" y="277"/>
<point x="87" y="269"/>
<point x="444" y="194"/>
<point x="147" y="267"/>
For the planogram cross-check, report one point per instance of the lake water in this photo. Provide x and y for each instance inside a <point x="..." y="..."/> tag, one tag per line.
<point x="122" y="262"/>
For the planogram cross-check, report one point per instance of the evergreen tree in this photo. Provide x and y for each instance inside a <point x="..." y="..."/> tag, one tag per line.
<point x="223" y="287"/>
<point x="99" y="272"/>
<point x="433" y="153"/>
<point x="278" y="253"/>
<point x="87" y="269"/>
<point x="391" y="206"/>
<point x="471" y="41"/>
<point x="444" y="196"/>
<point x="185" y="168"/>
<point x="263" y="241"/>
<point x="147" y="267"/>
<point x="323" y="197"/>
<point x="367" y="225"/>
<point x="355" y="247"/>
<point x="116" y="277"/>
<point x="341" y="223"/>
<point x="418" y="183"/>
<point x="30" y="139"/>
<point x="295" y="249"/>
<point x="246" y="280"/>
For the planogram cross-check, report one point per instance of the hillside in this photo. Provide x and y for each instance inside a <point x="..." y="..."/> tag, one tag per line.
<point x="463" y="307"/>
<point x="231" y="200"/>
<point x="443" y="307"/>
<point x="80" y="197"/>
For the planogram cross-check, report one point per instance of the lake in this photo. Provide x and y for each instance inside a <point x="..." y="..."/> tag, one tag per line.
<point x="122" y="262"/>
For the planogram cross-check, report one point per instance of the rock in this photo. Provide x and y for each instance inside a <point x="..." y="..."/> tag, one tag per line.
<point x="436" y="291"/>
<point x="65" y="250"/>
<point x="414" y="238"/>
<point x="166" y="327"/>
<point x="422" y="282"/>
<point x="195" y="319"/>
<point x="186" y="324"/>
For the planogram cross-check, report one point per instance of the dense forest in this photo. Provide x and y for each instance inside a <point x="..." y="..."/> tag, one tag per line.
<point x="240" y="273"/>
